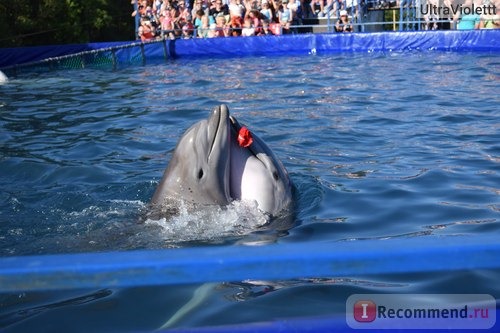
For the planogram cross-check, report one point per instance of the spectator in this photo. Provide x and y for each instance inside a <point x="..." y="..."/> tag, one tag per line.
<point x="146" y="31"/>
<point x="266" y="11"/>
<point x="343" y="24"/>
<point x="296" y="11"/>
<point x="211" y="30"/>
<point x="317" y="7"/>
<point x="174" y="12"/>
<point x="285" y="17"/>
<point x="221" y="29"/>
<point x="351" y="6"/>
<point x="255" y="18"/>
<point x="236" y="25"/>
<point x="265" y="29"/>
<point x="306" y="8"/>
<point x="187" y="30"/>
<point x="332" y="7"/>
<point x="199" y="4"/>
<point x="184" y="13"/>
<point x="167" y="25"/>
<point x="247" y="30"/>
<point x="202" y="24"/>
<point x="467" y="22"/>
<point x="490" y="19"/>
<point x="198" y="18"/>
<point x="228" y="30"/>
<point x="489" y="22"/>
<point x="218" y="8"/>
<point x="431" y="18"/>
<point x="274" y="5"/>
<point x="149" y="14"/>
<point x="249" y="5"/>
<point x="447" y="14"/>
<point x="141" y="8"/>
<point x="236" y="10"/>
<point x="157" y="10"/>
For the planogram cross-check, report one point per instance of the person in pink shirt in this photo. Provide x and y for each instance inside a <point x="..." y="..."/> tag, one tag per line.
<point x="167" y="25"/>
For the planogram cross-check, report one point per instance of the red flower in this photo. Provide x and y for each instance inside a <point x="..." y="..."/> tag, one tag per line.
<point x="244" y="137"/>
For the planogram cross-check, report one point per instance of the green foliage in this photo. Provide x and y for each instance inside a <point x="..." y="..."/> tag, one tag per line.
<point x="45" y="22"/>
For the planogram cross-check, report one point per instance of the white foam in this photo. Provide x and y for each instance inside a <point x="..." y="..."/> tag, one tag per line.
<point x="211" y="223"/>
<point x="3" y="78"/>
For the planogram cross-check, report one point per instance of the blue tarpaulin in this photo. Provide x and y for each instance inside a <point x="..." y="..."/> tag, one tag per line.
<point x="301" y="44"/>
<point x="478" y="40"/>
<point x="230" y="263"/>
<point x="279" y="261"/>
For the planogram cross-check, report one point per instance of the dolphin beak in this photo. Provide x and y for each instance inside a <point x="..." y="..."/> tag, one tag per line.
<point x="217" y="127"/>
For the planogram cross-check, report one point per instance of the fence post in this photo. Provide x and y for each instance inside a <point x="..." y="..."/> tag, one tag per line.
<point x="359" y="17"/>
<point x="327" y="23"/>
<point x="113" y="55"/>
<point x="418" y="17"/>
<point x="165" y="49"/>
<point x="136" y="8"/>
<point x="400" y="16"/>
<point x="143" y="54"/>
<point x="393" y="19"/>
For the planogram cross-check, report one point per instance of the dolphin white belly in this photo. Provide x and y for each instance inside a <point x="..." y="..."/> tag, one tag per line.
<point x="250" y="181"/>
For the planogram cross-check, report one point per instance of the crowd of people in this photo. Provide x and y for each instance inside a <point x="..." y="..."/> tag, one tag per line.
<point x="223" y="18"/>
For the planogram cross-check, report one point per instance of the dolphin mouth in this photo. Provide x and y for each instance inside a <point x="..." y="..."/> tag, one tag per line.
<point x="216" y="124"/>
<point x="234" y="123"/>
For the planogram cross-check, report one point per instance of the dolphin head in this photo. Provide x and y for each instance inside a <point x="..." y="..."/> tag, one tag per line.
<point x="209" y="167"/>
<point x="198" y="172"/>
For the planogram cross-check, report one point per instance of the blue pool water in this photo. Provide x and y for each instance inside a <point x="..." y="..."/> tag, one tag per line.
<point x="379" y="146"/>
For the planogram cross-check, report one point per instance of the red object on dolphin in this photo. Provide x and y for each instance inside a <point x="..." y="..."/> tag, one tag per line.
<point x="244" y="137"/>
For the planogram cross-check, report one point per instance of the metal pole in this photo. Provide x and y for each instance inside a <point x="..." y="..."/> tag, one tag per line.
<point x="401" y="17"/>
<point x="393" y="20"/>
<point x="137" y="19"/>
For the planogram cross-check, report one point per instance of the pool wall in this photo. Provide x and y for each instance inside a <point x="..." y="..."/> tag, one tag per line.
<point x="283" y="261"/>
<point x="279" y="261"/>
<point x="130" y="53"/>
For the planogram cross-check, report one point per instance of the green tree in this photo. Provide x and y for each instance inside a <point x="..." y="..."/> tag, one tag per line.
<point x="43" y="22"/>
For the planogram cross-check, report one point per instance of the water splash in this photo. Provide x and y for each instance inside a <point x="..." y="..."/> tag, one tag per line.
<point x="212" y="223"/>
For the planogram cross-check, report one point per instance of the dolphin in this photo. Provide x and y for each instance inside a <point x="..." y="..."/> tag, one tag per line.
<point x="209" y="166"/>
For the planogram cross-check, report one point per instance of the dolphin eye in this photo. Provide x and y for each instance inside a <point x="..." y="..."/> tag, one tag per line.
<point x="275" y="175"/>
<point x="200" y="174"/>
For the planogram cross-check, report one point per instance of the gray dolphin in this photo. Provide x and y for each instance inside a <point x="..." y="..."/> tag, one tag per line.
<point x="210" y="167"/>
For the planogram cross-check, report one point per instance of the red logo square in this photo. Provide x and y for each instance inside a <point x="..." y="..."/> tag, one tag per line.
<point x="365" y="311"/>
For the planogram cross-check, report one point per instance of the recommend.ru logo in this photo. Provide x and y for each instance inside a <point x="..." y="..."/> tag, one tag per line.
<point x="364" y="311"/>
<point x="421" y="311"/>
